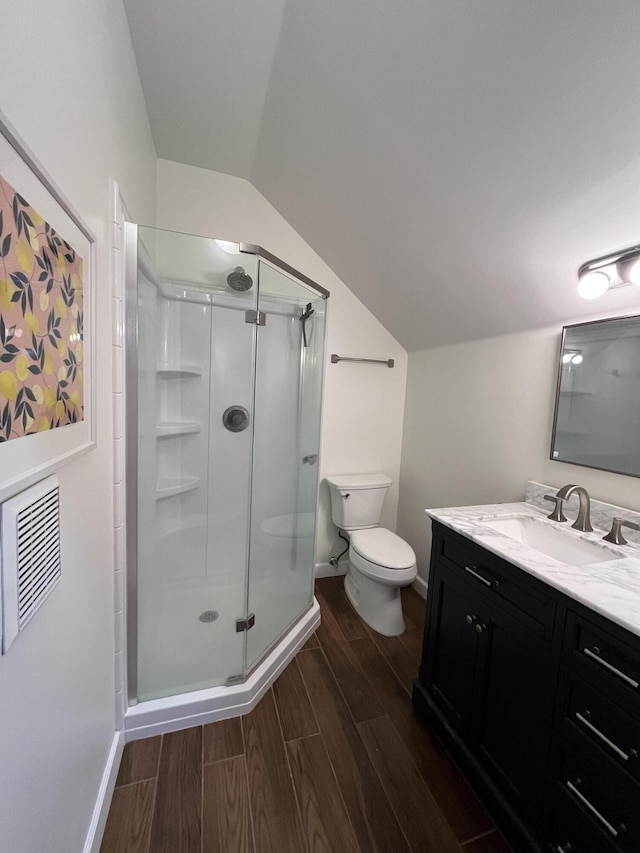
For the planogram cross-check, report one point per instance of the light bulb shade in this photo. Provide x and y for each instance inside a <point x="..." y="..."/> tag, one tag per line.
<point x="576" y="359"/>
<point x="634" y="272"/>
<point x="593" y="284"/>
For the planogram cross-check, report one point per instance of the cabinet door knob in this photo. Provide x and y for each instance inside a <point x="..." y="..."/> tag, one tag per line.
<point x="480" y="627"/>
<point x="471" y="619"/>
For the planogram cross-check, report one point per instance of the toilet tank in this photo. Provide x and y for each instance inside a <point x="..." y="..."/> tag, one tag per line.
<point x="356" y="499"/>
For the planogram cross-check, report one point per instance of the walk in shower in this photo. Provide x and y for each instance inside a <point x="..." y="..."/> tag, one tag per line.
<point x="225" y="351"/>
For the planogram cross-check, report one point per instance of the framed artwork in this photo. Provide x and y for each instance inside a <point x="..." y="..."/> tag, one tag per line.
<point x="47" y="275"/>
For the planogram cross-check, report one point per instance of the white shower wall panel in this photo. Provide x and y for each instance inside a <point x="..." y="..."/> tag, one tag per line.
<point x="182" y="459"/>
<point x="276" y="460"/>
<point x="229" y="475"/>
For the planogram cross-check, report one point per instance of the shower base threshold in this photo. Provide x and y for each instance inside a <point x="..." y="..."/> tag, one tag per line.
<point x="171" y="713"/>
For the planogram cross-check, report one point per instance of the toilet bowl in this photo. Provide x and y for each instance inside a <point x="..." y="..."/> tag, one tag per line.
<point x="380" y="562"/>
<point x="286" y="540"/>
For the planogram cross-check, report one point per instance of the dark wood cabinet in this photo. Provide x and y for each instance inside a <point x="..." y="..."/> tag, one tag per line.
<point x="537" y="697"/>
<point x="451" y="646"/>
<point x="512" y="716"/>
<point x="595" y="759"/>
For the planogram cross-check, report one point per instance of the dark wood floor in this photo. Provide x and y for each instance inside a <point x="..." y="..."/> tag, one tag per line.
<point x="331" y="759"/>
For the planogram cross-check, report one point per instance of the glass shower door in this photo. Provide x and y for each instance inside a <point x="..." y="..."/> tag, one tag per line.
<point x="194" y="361"/>
<point x="287" y="406"/>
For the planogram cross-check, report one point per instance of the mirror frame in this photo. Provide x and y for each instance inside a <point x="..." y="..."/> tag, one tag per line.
<point x="557" y="395"/>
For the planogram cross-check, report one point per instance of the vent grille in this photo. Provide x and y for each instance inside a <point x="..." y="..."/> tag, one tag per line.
<point x="30" y="554"/>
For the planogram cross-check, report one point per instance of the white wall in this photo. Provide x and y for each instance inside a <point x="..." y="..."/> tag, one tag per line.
<point x="363" y="406"/>
<point x="478" y="424"/>
<point x="70" y="87"/>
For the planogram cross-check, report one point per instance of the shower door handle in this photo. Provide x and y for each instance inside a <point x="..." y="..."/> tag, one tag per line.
<point x="310" y="460"/>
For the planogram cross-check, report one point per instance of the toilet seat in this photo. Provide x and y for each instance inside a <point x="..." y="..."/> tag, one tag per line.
<point x="380" y="554"/>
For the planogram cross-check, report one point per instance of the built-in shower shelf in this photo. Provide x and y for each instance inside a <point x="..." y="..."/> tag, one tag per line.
<point x="178" y="370"/>
<point x="167" y="428"/>
<point x="176" y="486"/>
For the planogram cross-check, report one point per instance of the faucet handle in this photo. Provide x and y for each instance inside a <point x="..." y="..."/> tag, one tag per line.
<point x="557" y="514"/>
<point x="615" y="536"/>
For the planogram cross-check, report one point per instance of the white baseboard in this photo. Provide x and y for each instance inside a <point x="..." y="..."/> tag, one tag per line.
<point x="326" y="570"/>
<point x="420" y="586"/>
<point x="105" y="792"/>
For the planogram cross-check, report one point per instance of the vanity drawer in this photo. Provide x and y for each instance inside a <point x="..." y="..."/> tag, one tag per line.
<point x="606" y="659"/>
<point x="572" y="831"/>
<point x="614" y="731"/>
<point x="599" y="787"/>
<point x="506" y="582"/>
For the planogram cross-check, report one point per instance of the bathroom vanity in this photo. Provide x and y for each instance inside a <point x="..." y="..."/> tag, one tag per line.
<point x="531" y="674"/>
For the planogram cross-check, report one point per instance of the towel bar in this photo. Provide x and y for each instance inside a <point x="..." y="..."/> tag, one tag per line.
<point x="388" y="361"/>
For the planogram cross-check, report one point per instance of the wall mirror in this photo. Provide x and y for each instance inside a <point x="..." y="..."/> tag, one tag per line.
<point x="597" y="414"/>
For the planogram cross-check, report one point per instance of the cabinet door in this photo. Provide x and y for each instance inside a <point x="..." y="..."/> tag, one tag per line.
<point x="511" y="715"/>
<point x="450" y="649"/>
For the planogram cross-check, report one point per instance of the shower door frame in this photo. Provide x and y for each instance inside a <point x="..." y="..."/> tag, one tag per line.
<point x="130" y="336"/>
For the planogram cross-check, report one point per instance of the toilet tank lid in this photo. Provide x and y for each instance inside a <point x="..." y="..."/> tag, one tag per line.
<point x="359" y="481"/>
<point x="384" y="548"/>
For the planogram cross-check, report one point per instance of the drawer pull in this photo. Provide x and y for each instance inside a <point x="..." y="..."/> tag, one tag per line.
<point x="564" y="848"/>
<point x="611" y="668"/>
<point x="598" y="733"/>
<point x="475" y="574"/>
<point x="594" y="811"/>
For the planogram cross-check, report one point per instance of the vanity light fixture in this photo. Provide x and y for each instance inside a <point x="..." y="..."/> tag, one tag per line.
<point x="591" y="285"/>
<point x="572" y="356"/>
<point x="616" y="269"/>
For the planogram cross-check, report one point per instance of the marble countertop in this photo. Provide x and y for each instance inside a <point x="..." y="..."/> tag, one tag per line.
<point x="610" y="587"/>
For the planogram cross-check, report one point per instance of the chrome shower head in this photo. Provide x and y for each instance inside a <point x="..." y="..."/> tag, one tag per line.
<point x="239" y="280"/>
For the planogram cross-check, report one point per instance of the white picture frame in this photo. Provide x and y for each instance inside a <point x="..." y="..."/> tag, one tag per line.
<point x="30" y="458"/>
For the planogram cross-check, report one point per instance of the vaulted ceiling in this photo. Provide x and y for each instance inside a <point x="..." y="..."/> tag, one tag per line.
<point x="454" y="162"/>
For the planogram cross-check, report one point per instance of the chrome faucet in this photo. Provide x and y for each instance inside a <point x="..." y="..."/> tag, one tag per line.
<point x="582" y="522"/>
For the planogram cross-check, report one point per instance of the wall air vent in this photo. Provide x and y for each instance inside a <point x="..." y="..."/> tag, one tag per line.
<point x="30" y="555"/>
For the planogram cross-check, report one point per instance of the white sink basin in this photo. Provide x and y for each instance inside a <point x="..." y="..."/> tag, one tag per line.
<point x="556" y="542"/>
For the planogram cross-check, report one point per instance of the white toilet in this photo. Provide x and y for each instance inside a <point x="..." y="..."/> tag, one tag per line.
<point x="379" y="561"/>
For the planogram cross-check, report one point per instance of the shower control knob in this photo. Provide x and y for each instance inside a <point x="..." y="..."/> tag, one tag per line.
<point x="236" y="418"/>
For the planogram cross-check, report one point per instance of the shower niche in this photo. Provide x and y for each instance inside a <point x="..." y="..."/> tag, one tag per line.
<point x="225" y="352"/>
